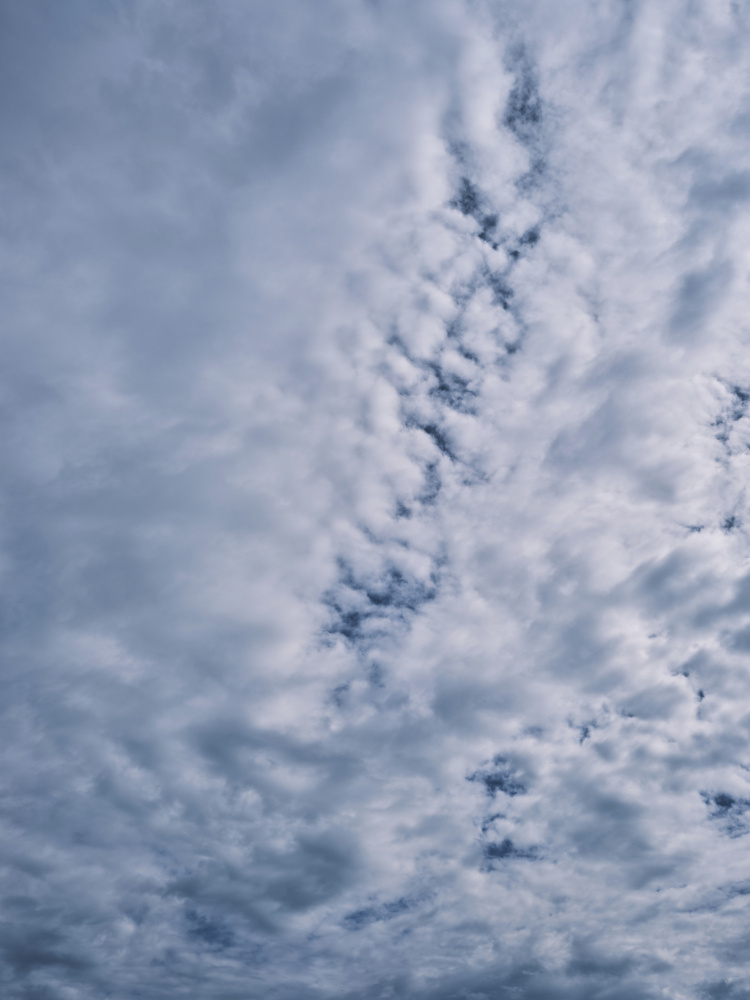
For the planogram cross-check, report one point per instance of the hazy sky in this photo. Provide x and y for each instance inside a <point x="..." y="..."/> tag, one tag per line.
<point x="375" y="387"/>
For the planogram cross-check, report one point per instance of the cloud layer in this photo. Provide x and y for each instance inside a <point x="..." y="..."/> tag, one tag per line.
<point x="376" y="399"/>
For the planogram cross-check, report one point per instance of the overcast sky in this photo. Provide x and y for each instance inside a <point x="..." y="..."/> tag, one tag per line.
<point x="375" y="387"/>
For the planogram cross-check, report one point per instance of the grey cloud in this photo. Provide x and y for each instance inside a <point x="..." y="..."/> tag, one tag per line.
<point x="722" y="988"/>
<point x="724" y="194"/>
<point x="506" y="849"/>
<point x="500" y="776"/>
<point x="373" y="521"/>
<point x="699" y="293"/>
<point x="371" y="914"/>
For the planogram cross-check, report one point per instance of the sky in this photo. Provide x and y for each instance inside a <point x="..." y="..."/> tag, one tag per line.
<point x="375" y="388"/>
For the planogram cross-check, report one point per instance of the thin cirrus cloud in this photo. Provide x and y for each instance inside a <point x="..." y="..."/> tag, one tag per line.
<point x="375" y="397"/>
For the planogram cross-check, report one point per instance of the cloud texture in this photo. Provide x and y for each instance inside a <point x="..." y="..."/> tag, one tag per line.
<point x="376" y="429"/>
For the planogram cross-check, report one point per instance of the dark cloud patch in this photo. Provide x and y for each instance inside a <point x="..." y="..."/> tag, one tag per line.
<point x="468" y="200"/>
<point x="501" y="290"/>
<point x="212" y="932"/>
<point x="366" y="606"/>
<point x="526" y="242"/>
<point x="728" y="432"/>
<point x="724" y="989"/>
<point x="524" y="113"/>
<point x="524" y="110"/>
<point x="432" y="484"/>
<point x="454" y="390"/>
<point x="358" y="919"/>
<point x="45" y="949"/>
<point x="729" y="811"/>
<point x="475" y="204"/>
<point x="440" y="439"/>
<point x="739" y="889"/>
<point x="584" y="731"/>
<point x="489" y="229"/>
<point x="494" y="851"/>
<point x="500" y="776"/>
<point x="742" y="398"/>
<point x="394" y="591"/>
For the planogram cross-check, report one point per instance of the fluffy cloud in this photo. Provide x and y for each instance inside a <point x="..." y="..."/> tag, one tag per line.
<point x="375" y="394"/>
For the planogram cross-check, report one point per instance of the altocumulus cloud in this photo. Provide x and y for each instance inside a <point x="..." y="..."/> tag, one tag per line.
<point x="376" y="429"/>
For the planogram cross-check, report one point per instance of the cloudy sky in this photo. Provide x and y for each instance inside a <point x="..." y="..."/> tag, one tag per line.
<point x="375" y="389"/>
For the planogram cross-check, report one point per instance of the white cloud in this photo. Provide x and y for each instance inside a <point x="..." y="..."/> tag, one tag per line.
<point x="374" y="521"/>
